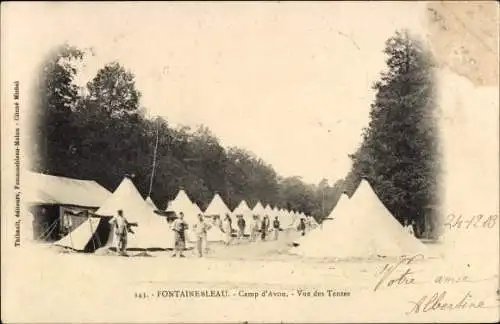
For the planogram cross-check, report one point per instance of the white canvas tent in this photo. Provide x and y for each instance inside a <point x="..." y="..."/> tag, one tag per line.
<point x="312" y="221"/>
<point x="217" y="207"/>
<point x="215" y="234"/>
<point x="285" y="219"/>
<point x="362" y="228"/>
<point x="316" y="238"/>
<point x="197" y="209"/>
<point x="81" y="236"/>
<point x="268" y="211"/>
<point x="258" y="210"/>
<point x="342" y="200"/>
<point x="246" y="212"/>
<point x="152" y="231"/>
<point x="296" y="219"/>
<point x="182" y="203"/>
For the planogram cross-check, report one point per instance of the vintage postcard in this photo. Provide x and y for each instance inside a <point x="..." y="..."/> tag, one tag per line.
<point x="244" y="162"/>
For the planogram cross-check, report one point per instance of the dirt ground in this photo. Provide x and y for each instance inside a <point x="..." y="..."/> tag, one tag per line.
<point x="76" y="287"/>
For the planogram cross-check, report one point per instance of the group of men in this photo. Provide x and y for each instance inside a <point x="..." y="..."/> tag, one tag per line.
<point x="258" y="226"/>
<point x="201" y="227"/>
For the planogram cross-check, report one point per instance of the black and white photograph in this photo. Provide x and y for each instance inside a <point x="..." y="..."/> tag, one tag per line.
<point x="249" y="162"/>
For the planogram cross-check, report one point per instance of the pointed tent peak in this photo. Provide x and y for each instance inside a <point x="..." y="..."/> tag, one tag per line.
<point x="242" y="206"/>
<point x="180" y="202"/>
<point x="244" y="203"/>
<point x="217" y="207"/>
<point x="258" y="209"/>
<point x="258" y="205"/>
<point x="242" y="210"/>
<point x="182" y="195"/>
<point x="365" y="194"/>
<point x="127" y="198"/>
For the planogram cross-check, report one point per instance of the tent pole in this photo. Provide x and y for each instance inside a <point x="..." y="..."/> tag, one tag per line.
<point x="154" y="162"/>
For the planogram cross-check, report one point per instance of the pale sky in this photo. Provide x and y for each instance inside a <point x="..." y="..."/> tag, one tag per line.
<point x="288" y="81"/>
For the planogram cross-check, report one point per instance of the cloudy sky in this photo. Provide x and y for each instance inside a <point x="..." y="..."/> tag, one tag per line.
<point x="288" y="81"/>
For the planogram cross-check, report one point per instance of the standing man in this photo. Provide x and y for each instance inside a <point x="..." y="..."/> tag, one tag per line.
<point x="201" y="229"/>
<point x="121" y="226"/>
<point x="265" y="227"/>
<point x="254" y="228"/>
<point x="302" y="227"/>
<point x="241" y="226"/>
<point x="276" y="228"/>
<point x="227" y="228"/>
<point x="179" y="226"/>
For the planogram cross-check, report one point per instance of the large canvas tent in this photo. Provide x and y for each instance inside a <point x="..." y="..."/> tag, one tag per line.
<point x="217" y="207"/>
<point x="215" y="234"/>
<point x="285" y="219"/>
<point x="152" y="231"/>
<point x="268" y="211"/>
<point x="55" y="203"/>
<point x="362" y="228"/>
<point x="84" y="237"/>
<point x="182" y="203"/>
<point x="245" y="211"/>
<point x="319" y="237"/>
<point x="296" y="219"/>
<point x="258" y="210"/>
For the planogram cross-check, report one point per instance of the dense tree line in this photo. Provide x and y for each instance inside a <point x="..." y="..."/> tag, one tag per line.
<point x="101" y="133"/>
<point x="399" y="154"/>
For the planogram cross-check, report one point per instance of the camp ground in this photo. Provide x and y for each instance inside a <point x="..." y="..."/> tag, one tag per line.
<point x="85" y="225"/>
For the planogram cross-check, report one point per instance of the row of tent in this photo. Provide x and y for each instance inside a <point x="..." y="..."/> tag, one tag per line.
<point x="359" y="227"/>
<point x="217" y="207"/>
<point x="153" y="229"/>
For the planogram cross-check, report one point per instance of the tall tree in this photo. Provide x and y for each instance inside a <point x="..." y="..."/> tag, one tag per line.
<point x="113" y="91"/>
<point x="56" y="99"/>
<point x="399" y="154"/>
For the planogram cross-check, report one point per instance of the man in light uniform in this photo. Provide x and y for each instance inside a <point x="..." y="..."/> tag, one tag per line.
<point x="201" y="229"/>
<point x="121" y="226"/>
